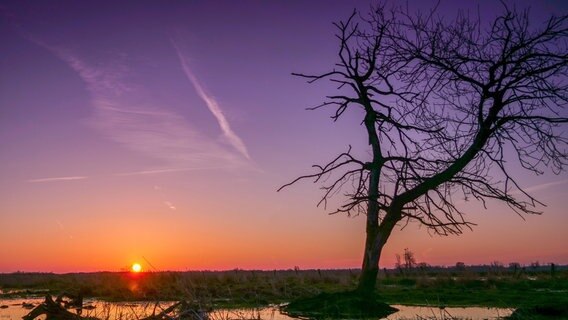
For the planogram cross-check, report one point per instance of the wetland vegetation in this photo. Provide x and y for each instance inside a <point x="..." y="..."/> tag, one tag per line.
<point x="531" y="289"/>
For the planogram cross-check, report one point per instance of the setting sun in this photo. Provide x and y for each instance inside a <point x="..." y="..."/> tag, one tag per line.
<point x="136" y="267"/>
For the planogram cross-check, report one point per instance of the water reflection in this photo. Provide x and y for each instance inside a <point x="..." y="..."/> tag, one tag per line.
<point x="474" y="313"/>
<point x="14" y="309"/>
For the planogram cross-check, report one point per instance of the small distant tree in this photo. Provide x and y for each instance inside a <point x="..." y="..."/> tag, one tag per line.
<point x="515" y="266"/>
<point x="460" y="266"/>
<point x="409" y="261"/>
<point x="443" y="103"/>
<point x="423" y="266"/>
<point x="398" y="264"/>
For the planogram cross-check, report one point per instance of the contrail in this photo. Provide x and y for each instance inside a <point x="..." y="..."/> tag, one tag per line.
<point x="542" y="186"/>
<point x="149" y="128"/>
<point x="212" y="105"/>
<point x="57" y="179"/>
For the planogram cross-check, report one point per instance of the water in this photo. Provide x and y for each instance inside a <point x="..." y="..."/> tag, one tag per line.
<point x="473" y="313"/>
<point x="136" y="310"/>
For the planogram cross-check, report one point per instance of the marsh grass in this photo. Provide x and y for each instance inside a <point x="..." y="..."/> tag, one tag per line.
<point x="236" y="287"/>
<point x="488" y="287"/>
<point x="483" y="289"/>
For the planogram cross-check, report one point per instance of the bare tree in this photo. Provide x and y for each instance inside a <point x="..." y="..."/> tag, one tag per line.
<point x="409" y="261"/>
<point x="398" y="264"/>
<point x="442" y="102"/>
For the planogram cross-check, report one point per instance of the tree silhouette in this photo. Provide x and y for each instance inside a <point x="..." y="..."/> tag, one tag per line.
<point x="444" y="105"/>
<point x="409" y="261"/>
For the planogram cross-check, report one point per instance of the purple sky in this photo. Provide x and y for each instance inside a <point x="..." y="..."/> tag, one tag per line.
<point x="163" y="129"/>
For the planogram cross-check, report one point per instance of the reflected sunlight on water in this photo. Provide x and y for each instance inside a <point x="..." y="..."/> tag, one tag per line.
<point x="473" y="313"/>
<point x="14" y="310"/>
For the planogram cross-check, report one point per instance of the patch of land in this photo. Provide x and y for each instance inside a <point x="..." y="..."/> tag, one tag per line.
<point x="480" y="286"/>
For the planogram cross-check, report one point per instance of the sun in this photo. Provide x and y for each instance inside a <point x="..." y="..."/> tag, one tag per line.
<point x="136" y="267"/>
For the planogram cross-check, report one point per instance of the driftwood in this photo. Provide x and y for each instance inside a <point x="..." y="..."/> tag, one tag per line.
<point x="73" y="301"/>
<point x="180" y="310"/>
<point x="55" y="310"/>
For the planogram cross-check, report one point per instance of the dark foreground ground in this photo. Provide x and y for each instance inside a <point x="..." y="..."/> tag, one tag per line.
<point x="529" y="288"/>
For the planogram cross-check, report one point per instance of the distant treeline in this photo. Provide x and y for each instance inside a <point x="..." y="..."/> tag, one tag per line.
<point x="20" y="277"/>
<point x="459" y="266"/>
<point x="489" y="285"/>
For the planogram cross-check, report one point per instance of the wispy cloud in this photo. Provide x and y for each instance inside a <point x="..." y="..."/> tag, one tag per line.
<point x="546" y="185"/>
<point x="131" y="112"/>
<point x="170" y="205"/>
<point x="158" y="171"/>
<point x="62" y="228"/>
<point x="212" y="104"/>
<point x="57" y="179"/>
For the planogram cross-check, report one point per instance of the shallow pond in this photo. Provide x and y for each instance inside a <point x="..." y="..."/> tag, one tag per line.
<point x="13" y="309"/>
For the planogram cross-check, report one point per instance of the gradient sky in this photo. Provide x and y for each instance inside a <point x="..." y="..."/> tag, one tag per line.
<point x="160" y="131"/>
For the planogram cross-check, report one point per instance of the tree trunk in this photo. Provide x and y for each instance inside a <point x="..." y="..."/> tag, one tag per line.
<point x="370" y="268"/>
<point x="373" y="246"/>
<point x="377" y="236"/>
<point x="375" y="239"/>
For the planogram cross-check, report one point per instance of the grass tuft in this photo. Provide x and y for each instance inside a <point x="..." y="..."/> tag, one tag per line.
<point x="338" y="305"/>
